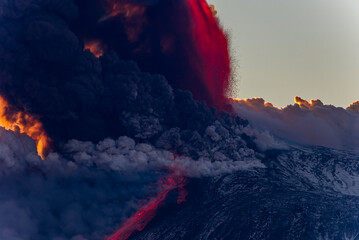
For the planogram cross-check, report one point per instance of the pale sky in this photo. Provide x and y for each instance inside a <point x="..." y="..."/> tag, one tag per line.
<point x="287" y="48"/>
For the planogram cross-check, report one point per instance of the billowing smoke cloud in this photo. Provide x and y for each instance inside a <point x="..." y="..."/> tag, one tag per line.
<point x="45" y="72"/>
<point x="86" y="188"/>
<point x="94" y="180"/>
<point x="60" y="198"/>
<point x="308" y="123"/>
<point x="92" y="190"/>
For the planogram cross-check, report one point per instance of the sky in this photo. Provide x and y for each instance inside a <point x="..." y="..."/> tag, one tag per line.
<point x="288" y="48"/>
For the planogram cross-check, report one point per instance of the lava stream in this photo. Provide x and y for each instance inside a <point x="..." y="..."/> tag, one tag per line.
<point x="145" y="214"/>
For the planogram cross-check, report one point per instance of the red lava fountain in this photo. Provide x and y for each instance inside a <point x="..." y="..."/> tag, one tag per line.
<point x="212" y="46"/>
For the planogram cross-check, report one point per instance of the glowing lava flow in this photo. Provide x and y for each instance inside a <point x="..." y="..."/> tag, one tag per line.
<point x="143" y="216"/>
<point x="24" y="123"/>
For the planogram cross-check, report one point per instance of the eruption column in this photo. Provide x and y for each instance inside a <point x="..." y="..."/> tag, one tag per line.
<point x="180" y="39"/>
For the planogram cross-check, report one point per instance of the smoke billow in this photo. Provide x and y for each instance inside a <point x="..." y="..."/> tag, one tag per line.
<point x="180" y="39"/>
<point x="308" y="123"/>
<point x="45" y="72"/>
<point x="92" y="190"/>
<point x="86" y="74"/>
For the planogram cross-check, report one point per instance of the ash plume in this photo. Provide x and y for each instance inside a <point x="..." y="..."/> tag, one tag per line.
<point x="180" y="39"/>
<point x="45" y="72"/>
<point x="93" y="180"/>
<point x="107" y="81"/>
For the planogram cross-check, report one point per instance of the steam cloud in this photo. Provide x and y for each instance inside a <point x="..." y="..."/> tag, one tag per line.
<point x="308" y="123"/>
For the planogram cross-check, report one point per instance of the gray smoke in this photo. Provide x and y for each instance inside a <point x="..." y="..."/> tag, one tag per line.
<point x="92" y="190"/>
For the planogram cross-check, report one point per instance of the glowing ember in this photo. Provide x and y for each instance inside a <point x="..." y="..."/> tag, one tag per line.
<point x="143" y="216"/>
<point x="254" y="102"/>
<point x="24" y="123"/>
<point x="96" y="47"/>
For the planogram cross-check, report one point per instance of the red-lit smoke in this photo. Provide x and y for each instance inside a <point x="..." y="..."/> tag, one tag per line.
<point x="145" y="214"/>
<point x="181" y="39"/>
<point x="211" y="43"/>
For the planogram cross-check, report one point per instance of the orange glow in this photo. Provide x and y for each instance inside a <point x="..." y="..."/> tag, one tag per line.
<point x="125" y="9"/>
<point x="213" y="9"/>
<point x="27" y="124"/>
<point x="134" y="15"/>
<point x="354" y="107"/>
<point x="254" y="102"/>
<point x="258" y="103"/>
<point x="304" y="103"/>
<point x="96" y="47"/>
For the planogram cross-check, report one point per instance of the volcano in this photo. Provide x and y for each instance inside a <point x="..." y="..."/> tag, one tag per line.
<point x="112" y="127"/>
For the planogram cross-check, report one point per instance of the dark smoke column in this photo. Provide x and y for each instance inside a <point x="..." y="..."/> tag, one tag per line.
<point x="180" y="39"/>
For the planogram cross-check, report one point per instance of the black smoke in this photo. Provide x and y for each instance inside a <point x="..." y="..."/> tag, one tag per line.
<point x="45" y="72"/>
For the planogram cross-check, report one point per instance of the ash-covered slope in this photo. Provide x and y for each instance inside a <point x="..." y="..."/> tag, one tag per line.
<point x="301" y="194"/>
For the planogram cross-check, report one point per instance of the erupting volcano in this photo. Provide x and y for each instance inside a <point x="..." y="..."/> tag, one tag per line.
<point x="80" y="72"/>
<point x="127" y="95"/>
